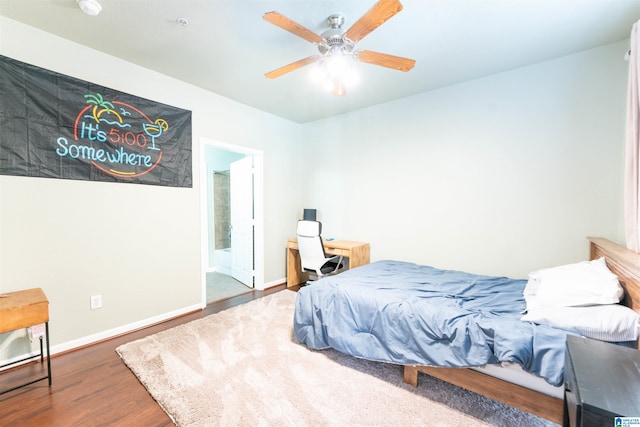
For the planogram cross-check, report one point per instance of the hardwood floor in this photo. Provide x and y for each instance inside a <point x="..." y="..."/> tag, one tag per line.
<point x="91" y="386"/>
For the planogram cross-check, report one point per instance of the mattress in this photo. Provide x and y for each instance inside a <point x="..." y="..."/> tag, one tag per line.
<point x="514" y="374"/>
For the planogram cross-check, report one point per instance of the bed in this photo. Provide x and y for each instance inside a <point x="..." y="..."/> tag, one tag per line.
<point x="463" y="328"/>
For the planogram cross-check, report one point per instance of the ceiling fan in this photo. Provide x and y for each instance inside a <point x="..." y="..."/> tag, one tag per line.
<point x="337" y="43"/>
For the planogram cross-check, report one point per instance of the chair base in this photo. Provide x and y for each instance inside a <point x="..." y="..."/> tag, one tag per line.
<point x="330" y="269"/>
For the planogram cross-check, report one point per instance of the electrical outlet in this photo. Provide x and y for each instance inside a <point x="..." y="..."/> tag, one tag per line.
<point x="96" y="301"/>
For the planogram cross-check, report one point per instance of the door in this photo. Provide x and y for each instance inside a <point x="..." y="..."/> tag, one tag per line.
<point x="242" y="224"/>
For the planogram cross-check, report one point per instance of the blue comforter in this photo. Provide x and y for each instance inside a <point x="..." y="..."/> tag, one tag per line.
<point x="411" y="314"/>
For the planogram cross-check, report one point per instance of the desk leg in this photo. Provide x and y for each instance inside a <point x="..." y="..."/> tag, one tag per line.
<point x="41" y="350"/>
<point x="46" y="327"/>
<point x="295" y="276"/>
<point x="359" y="256"/>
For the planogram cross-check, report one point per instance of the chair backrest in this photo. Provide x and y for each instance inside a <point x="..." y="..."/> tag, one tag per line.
<point x="310" y="245"/>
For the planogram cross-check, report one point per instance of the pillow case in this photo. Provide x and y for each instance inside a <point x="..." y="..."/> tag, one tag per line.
<point x="581" y="297"/>
<point x="612" y="322"/>
<point x="573" y="285"/>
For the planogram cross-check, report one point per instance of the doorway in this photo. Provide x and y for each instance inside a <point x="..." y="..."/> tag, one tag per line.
<point x="231" y="199"/>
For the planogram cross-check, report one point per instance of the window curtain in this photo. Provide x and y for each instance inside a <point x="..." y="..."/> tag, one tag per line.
<point x="632" y="150"/>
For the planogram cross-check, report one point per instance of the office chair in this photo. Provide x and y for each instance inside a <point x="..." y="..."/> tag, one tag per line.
<point x="312" y="256"/>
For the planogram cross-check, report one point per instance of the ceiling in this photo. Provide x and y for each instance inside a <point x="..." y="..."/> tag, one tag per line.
<point x="226" y="47"/>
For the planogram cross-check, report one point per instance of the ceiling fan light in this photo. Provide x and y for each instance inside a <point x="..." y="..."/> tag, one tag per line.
<point x="90" y="7"/>
<point x="337" y="65"/>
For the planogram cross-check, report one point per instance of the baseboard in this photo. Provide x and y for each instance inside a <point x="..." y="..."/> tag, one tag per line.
<point x="112" y="333"/>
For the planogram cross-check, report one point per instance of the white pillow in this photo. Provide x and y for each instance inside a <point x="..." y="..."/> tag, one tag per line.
<point x="573" y="285"/>
<point x="611" y="322"/>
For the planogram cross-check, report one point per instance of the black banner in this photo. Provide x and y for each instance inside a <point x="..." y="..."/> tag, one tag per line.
<point x="56" y="126"/>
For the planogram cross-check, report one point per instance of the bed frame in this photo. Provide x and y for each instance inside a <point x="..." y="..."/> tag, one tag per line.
<point x="621" y="261"/>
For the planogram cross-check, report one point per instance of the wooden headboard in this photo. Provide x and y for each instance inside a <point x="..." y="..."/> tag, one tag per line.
<point x="625" y="264"/>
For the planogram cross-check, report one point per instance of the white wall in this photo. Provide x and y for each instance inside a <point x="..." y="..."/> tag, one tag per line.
<point x="500" y="175"/>
<point x="138" y="246"/>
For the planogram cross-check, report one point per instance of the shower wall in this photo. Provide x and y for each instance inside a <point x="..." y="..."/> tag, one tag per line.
<point x="221" y="209"/>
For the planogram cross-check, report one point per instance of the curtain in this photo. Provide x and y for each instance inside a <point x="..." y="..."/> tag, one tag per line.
<point x="632" y="150"/>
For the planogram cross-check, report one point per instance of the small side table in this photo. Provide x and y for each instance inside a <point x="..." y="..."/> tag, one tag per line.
<point x="602" y="382"/>
<point x="23" y="309"/>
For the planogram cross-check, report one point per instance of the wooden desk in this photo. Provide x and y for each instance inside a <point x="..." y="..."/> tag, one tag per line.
<point x="23" y="309"/>
<point x="356" y="252"/>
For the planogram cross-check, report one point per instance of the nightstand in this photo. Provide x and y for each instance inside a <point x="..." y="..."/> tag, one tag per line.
<point x="601" y="380"/>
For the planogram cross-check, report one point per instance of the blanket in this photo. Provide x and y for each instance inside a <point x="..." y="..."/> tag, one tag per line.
<point x="411" y="314"/>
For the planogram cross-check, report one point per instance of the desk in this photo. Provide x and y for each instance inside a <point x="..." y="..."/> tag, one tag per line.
<point x="23" y="309"/>
<point x="356" y="252"/>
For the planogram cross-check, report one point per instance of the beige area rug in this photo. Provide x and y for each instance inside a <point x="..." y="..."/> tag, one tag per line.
<point x="242" y="367"/>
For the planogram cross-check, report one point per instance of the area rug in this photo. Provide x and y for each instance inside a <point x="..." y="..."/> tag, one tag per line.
<point x="242" y="367"/>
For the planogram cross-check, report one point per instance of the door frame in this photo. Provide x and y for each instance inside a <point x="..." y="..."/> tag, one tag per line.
<point x="258" y="203"/>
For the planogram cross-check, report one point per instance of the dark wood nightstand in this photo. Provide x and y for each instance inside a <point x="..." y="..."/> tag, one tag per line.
<point x="602" y="381"/>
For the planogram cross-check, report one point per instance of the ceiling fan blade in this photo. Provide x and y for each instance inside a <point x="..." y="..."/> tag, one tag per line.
<point x="293" y="27"/>
<point x="291" y="67"/>
<point x="380" y="13"/>
<point x="384" y="60"/>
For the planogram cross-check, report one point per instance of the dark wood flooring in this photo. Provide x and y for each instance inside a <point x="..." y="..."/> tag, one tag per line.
<point x="91" y="386"/>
